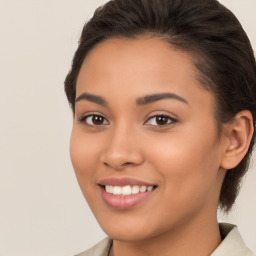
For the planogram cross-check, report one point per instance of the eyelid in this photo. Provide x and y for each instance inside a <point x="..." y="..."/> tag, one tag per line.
<point x="173" y="120"/>
<point x="85" y="116"/>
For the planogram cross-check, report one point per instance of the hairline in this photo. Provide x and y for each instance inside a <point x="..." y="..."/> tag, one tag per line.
<point x="194" y="53"/>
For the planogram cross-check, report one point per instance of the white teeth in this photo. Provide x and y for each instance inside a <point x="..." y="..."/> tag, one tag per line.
<point x="109" y="189"/>
<point x="143" y="189"/>
<point x="150" y="188"/>
<point x="127" y="190"/>
<point x="135" y="189"/>
<point x="117" y="190"/>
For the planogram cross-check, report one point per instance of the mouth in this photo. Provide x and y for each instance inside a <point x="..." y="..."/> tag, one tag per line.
<point x="127" y="190"/>
<point x="125" y="193"/>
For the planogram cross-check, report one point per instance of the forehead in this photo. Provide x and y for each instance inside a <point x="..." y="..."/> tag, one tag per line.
<point x="144" y="52"/>
<point x="137" y="67"/>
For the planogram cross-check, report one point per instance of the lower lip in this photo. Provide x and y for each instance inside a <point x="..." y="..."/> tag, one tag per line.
<point x="124" y="202"/>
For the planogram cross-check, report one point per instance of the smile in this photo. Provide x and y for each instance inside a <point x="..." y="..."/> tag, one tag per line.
<point x="125" y="193"/>
<point x="127" y="190"/>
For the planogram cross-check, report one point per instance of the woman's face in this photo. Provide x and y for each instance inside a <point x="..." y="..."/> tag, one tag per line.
<point x="144" y="129"/>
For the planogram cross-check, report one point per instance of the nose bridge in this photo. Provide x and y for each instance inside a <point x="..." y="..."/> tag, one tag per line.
<point x="122" y="148"/>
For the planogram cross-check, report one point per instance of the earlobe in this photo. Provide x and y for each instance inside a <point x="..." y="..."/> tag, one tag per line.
<point x="239" y="135"/>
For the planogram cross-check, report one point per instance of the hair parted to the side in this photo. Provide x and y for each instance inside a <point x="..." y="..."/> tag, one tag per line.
<point x="209" y="32"/>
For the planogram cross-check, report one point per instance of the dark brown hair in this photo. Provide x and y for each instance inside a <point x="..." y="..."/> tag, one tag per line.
<point x="220" y="48"/>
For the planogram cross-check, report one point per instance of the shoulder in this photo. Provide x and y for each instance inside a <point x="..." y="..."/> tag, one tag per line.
<point x="100" y="249"/>
<point x="232" y="243"/>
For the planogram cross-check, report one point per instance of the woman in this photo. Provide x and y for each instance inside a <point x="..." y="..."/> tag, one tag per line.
<point x="163" y="95"/>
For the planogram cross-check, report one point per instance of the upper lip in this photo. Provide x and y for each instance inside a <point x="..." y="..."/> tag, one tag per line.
<point x="114" y="181"/>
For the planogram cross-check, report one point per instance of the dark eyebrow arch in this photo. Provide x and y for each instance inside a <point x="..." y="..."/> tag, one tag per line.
<point x="158" y="96"/>
<point x="93" y="98"/>
<point x="139" y="102"/>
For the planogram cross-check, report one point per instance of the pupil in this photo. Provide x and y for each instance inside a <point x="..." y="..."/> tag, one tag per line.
<point x="161" y="120"/>
<point x="97" y="120"/>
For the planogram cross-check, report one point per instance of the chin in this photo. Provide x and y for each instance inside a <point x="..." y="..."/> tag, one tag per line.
<point x="127" y="236"/>
<point x="129" y="231"/>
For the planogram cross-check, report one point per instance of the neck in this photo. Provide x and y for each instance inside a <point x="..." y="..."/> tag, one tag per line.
<point x="194" y="239"/>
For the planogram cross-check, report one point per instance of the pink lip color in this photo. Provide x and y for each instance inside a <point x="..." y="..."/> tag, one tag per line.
<point x="124" y="202"/>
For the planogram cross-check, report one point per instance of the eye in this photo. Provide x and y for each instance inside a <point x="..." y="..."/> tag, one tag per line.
<point x="94" y="120"/>
<point x="160" y="120"/>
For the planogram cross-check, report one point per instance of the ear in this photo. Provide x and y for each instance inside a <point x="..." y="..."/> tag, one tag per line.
<point x="238" y="135"/>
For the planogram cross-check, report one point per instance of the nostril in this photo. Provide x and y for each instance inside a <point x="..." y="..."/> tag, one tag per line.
<point x="127" y="163"/>
<point x="118" y="166"/>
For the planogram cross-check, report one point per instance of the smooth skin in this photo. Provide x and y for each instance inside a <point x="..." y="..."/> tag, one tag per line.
<point x="182" y="152"/>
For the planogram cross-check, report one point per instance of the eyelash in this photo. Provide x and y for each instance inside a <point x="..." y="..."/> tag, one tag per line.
<point x="171" y="120"/>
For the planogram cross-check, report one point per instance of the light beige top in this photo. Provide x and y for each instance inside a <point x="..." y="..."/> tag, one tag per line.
<point x="232" y="244"/>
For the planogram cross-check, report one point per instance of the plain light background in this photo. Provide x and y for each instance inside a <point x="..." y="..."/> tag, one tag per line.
<point x="42" y="211"/>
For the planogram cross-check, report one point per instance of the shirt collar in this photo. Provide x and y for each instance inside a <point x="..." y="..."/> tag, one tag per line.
<point x="232" y="243"/>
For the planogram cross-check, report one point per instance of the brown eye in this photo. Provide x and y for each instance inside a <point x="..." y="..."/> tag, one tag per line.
<point x="160" y="120"/>
<point x="94" y="120"/>
<point x="97" y="120"/>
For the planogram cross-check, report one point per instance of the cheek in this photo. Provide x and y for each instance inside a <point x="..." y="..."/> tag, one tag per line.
<point x="83" y="154"/>
<point x="188" y="165"/>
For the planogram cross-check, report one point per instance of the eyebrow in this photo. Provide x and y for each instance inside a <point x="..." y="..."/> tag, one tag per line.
<point x="93" y="98"/>
<point x="158" y="96"/>
<point x="147" y="99"/>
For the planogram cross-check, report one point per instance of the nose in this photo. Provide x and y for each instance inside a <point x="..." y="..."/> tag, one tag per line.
<point x="122" y="149"/>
